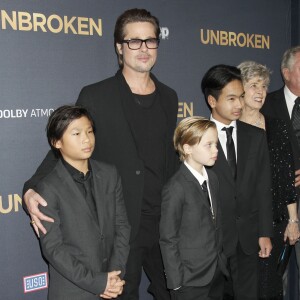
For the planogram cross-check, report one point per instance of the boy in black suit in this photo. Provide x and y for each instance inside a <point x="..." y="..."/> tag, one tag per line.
<point x="190" y="234"/>
<point x="88" y="244"/>
<point x="243" y="170"/>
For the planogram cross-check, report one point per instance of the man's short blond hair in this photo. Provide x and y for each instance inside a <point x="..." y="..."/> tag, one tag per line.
<point x="190" y="131"/>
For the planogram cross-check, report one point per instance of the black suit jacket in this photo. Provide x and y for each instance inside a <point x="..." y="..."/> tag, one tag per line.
<point x="275" y="106"/>
<point x="79" y="248"/>
<point x="246" y="203"/>
<point x="115" y="142"/>
<point x="190" y="240"/>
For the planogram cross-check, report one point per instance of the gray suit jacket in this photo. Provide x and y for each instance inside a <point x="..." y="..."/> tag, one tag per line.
<point x="190" y="241"/>
<point x="81" y="250"/>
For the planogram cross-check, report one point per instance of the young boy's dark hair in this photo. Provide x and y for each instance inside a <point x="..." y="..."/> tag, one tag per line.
<point x="59" y="121"/>
<point x="216" y="78"/>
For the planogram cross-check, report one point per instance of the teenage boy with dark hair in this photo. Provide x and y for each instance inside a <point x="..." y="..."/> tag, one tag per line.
<point x="190" y="233"/>
<point x="243" y="170"/>
<point x="88" y="244"/>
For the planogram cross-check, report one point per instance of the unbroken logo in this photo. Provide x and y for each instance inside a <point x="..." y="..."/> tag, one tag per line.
<point x="25" y="21"/>
<point x="229" y="38"/>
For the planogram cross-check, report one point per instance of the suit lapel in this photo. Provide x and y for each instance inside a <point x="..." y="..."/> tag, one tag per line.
<point x="281" y="107"/>
<point x="163" y="101"/>
<point x="190" y="177"/>
<point x="70" y="191"/>
<point x="98" y="193"/>
<point x="213" y="193"/>
<point x="244" y="141"/>
<point x="125" y="97"/>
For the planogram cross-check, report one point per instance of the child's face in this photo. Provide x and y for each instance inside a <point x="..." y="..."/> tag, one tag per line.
<point x="228" y="107"/>
<point x="204" y="153"/>
<point x="78" y="141"/>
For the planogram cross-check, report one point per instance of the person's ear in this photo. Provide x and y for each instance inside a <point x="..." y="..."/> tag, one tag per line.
<point x="187" y="149"/>
<point x="57" y="144"/>
<point x="212" y="101"/>
<point x="119" y="48"/>
<point x="286" y="74"/>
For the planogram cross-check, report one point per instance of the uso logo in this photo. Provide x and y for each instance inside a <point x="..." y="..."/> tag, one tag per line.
<point x="35" y="282"/>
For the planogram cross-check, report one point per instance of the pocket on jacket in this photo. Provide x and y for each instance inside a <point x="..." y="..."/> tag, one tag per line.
<point x="188" y="255"/>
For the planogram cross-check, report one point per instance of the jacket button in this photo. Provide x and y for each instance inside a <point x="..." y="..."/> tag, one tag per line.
<point x="137" y="172"/>
<point x="102" y="237"/>
<point x="238" y="217"/>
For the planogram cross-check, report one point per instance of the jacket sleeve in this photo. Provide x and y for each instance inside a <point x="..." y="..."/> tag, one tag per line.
<point x="171" y="214"/>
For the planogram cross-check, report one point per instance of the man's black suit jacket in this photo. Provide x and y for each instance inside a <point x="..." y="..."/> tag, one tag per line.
<point x="191" y="242"/>
<point x="275" y="106"/>
<point x="79" y="248"/>
<point x="115" y="142"/>
<point x="246" y="203"/>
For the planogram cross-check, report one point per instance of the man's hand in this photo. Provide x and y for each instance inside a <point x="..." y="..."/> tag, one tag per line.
<point x="265" y="247"/>
<point x="292" y="233"/>
<point x="297" y="178"/>
<point x="114" y="286"/>
<point x="32" y="201"/>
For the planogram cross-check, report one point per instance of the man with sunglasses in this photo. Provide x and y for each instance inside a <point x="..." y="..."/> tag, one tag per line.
<point x="135" y="116"/>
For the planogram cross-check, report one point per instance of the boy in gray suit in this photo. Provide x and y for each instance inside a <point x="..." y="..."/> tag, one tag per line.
<point x="88" y="244"/>
<point x="190" y="233"/>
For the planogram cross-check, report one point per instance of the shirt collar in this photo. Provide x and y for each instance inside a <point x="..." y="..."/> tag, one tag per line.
<point x="76" y="174"/>
<point x="220" y="125"/>
<point x="289" y="95"/>
<point x="201" y="178"/>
